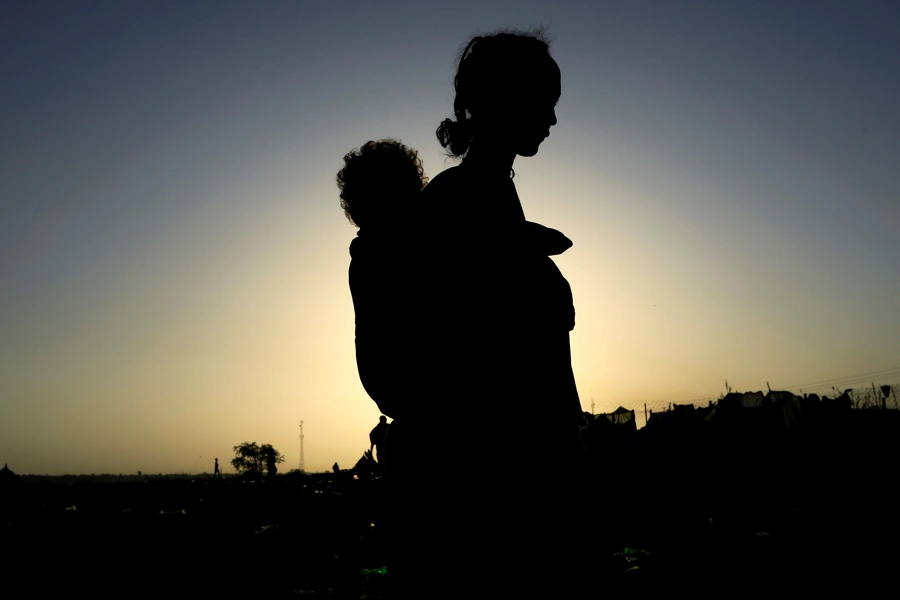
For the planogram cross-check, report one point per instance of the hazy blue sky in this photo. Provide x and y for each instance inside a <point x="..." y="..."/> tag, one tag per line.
<point x="173" y="258"/>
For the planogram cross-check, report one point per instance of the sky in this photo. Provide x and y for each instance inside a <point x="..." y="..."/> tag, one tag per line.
<point x="173" y="257"/>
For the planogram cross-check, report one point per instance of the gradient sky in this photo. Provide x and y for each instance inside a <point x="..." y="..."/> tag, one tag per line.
<point x="173" y="258"/>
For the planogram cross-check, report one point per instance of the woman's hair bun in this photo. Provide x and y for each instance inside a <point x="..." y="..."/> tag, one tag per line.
<point x="455" y="135"/>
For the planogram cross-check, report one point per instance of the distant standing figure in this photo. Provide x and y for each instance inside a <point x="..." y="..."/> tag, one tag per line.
<point x="216" y="472"/>
<point x="376" y="439"/>
<point x="335" y="468"/>
<point x="271" y="469"/>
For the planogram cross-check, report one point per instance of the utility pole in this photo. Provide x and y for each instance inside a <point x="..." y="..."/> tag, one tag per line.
<point x="302" y="466"/>
<point x="592" y="407"/>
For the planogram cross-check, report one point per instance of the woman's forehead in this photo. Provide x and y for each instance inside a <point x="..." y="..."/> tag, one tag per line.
<point x="544" y="73"/>
<point x="544" y="84"/>
<point x="548" y="78"/>
<point x="527" y="79"/>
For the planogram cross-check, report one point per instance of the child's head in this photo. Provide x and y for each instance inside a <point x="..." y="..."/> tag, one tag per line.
<point x="379" y="182"/>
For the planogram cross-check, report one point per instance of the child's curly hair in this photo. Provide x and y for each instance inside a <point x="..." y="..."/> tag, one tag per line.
<point x="377" y="179"/>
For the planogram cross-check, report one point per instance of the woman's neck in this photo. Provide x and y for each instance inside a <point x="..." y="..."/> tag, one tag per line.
<point x="491" y="161"/>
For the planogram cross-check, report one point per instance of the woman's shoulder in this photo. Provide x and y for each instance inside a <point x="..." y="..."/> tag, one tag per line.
<point x="446" y="182"/>
<point x="460" y="195"/>
<point x="444" y="199"/>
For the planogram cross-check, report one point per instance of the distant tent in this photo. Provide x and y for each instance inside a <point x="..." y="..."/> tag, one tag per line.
<point x="7" y="477"/>
<point x="366" y="464"/>
<point x="790" y="405"/>
<point x="730" y="403"/>
<point x="622" y="417"/>
<point x="752" y="399"/>
<point x="775" y="409"/>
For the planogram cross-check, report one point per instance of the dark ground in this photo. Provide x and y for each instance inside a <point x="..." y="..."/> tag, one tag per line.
<point x="798" y="516"/>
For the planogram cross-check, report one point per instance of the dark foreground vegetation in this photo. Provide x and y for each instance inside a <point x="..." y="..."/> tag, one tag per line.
<point x="737" y="507"/>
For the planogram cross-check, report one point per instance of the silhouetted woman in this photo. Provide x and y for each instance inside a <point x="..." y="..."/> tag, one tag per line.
<point x="474" y="356"/>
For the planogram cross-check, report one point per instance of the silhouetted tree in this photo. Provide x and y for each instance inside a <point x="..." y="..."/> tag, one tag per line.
<point x="250" y="457"/>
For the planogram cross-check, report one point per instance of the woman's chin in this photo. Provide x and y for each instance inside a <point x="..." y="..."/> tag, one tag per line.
<point x="528" y="151"/>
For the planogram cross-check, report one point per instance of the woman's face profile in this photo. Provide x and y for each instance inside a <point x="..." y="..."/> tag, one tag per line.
<point x="537" y="115"/>
<point x="523" y="117"/>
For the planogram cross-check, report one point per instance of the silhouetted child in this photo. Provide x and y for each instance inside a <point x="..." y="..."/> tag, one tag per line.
<point x="379" y="184"/>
